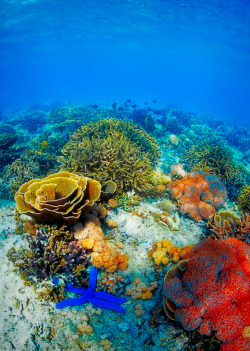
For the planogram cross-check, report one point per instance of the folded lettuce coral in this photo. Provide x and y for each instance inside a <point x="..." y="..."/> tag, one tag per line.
<point x="59" y="198"/>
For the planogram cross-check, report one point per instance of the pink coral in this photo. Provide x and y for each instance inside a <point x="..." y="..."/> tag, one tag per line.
<point x="213" y="294"/>
<point x="198" y="194"/>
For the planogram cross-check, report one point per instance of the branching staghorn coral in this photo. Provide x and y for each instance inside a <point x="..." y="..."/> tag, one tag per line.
<point x="225" y="225"/>
<point x="112" y="150"/>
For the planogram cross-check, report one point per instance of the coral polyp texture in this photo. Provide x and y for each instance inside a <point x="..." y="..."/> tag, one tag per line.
<point x="210" y="291"/>
<point x="198" y="194"/>
<point x="59" y="198"/>
<point x="104" y="254"/>
<point x="112" y="150"/>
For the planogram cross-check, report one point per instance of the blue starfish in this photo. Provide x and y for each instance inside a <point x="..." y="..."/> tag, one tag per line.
<point x="97" y="298"/>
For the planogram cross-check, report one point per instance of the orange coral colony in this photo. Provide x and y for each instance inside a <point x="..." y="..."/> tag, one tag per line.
<point x="104" y="254"/>
<point x="198" y="194"/>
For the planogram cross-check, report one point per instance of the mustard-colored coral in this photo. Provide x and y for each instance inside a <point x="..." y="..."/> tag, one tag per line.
<point x="104" y="254"/>
<point x="164" y="250"/>
<point x="61" y="197"/>
<point x="243" y="200"/>
<point x="112" y="150"/>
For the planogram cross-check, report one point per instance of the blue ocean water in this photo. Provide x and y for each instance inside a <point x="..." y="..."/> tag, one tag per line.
<point x="124" y="175"/>
<point x="193" y="55"/>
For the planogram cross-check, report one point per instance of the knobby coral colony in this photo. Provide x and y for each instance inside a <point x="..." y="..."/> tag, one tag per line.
<point x="97" y="298"/>
<point x="198" y="194"/>
<point x="210" y="290"/>
<point x="112" y="150"/>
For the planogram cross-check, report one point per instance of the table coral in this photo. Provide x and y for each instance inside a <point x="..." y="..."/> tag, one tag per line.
<point x="105" y="255"/>
<point x="198" y="194"/>
<point x="213" y="293"/>
<point x="59" y="198"/>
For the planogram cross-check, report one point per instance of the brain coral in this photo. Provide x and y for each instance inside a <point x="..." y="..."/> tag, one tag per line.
<point x="59" y="198"/>
<point x="198" y="194"/>
<point x="112" y="150"/>
<point x="213" y="293"/>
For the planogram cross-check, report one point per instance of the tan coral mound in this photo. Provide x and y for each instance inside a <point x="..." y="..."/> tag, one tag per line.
<point x="59" y="198"/>
<point x="105" y="255"/>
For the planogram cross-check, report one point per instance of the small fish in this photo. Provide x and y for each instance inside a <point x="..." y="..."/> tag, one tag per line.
<point x="134" y="106"/>
<point x="114" y="105"/>
<point x="154" y="101"/>
<point x="159" y="126"/>
<point x="129" y="100"/>
<point x="120" y="108"/>
<point x="95" y="106"/>
<point x="145" y="103"/>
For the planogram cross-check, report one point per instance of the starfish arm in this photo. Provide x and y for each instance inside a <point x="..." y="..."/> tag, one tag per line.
<point x="108" y="297"/>
<point x="92" y="278"/>
<point x="106" y="305"/>
<point x="71" y="302"/>
<point x="73" y="289"/>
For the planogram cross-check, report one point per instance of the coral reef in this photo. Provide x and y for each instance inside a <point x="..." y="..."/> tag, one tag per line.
<point x="113" y="283"/>
<point x="112" y="150"/>
<point x="105" y="255"/>
<point x="164" y="250"/>
<point x="73" y="115"/>
<point x="139" y="291"/>
<point x="218" y="160"/>
<point x="97" y="298"/>
<point x="31" y="164"/>
<point x="243" y="200"/>
<point x="198" y="194"/>
<point x="52" y="252"/>
<point x="59" y="198"/>
<point x="226" y="225"/>
<point x="210" y="290"/>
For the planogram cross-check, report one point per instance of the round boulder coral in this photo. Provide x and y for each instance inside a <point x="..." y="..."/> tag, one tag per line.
<point x="198" y="194"/>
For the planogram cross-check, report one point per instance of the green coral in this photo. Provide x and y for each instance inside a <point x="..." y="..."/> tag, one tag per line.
<point x="216" y="159"/>
<point x="114" y="150"/>
<point x="64" y="115"/>
<point x="31" y="164"/>
<point x="243" y="200"/>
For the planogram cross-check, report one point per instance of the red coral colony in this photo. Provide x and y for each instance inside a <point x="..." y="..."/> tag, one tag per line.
<point x="210" y="290"/>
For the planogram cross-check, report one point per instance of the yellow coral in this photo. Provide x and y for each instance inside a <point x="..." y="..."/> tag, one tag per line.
<point x="163" y="250"/>
<point x="59" y="198"/>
